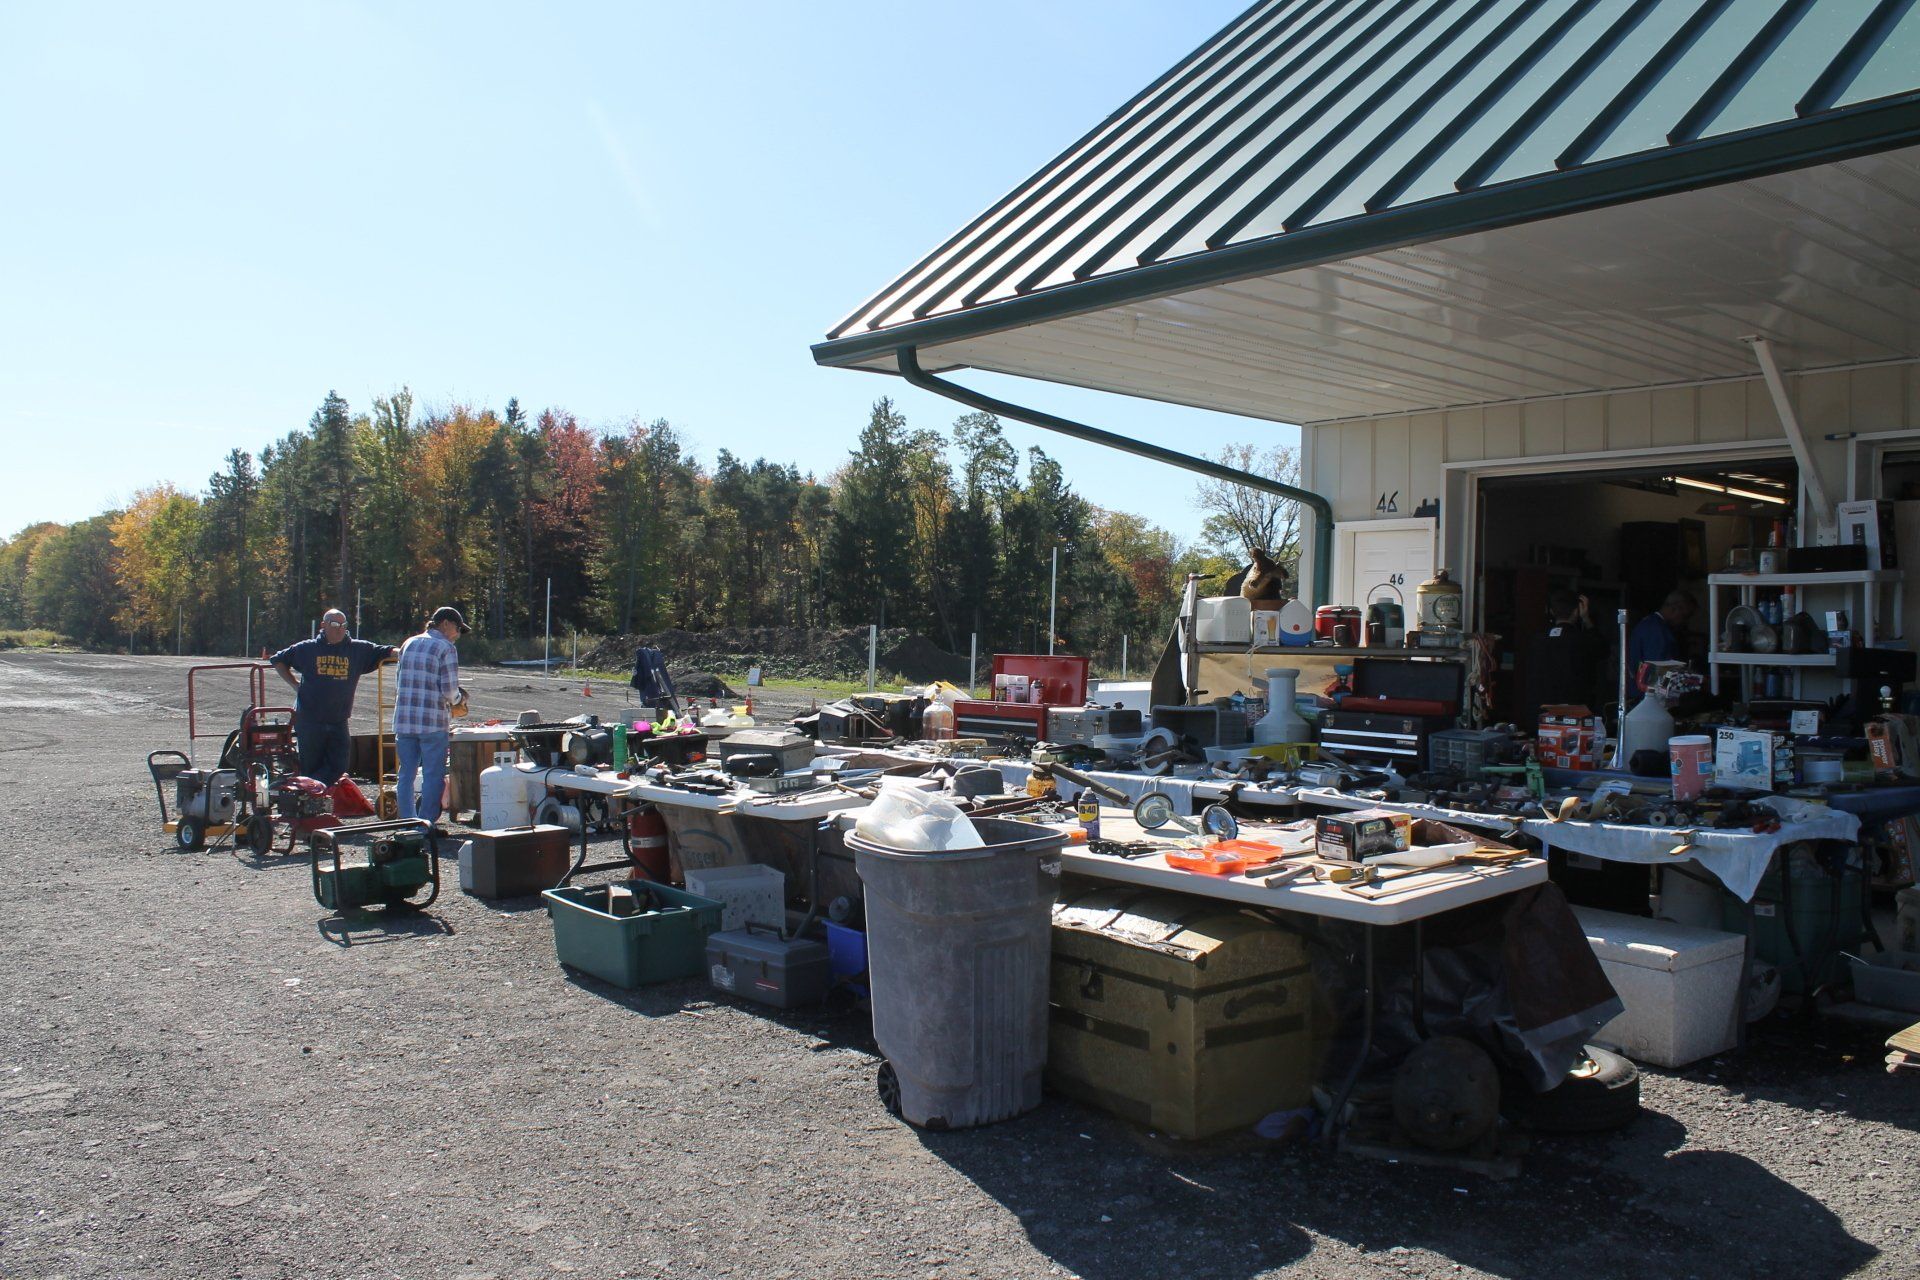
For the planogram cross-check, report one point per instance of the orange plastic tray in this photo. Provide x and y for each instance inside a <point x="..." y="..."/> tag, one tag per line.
<point x="1226" y="857"/>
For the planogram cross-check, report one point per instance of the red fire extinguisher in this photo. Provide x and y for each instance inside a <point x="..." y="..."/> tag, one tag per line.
<point x="647" y="839"/>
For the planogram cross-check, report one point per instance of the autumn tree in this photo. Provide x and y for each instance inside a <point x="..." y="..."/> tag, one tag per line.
<point x="1240" y="518"/>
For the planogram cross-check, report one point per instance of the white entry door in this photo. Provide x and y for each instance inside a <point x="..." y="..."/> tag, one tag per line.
<point x="1370" y="553"/>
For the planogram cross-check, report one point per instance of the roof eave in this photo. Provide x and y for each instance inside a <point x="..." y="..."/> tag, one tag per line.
<point x="1880" y="125"/>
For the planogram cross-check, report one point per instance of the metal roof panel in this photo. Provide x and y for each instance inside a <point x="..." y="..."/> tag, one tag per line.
<point x="1306" y="115"/>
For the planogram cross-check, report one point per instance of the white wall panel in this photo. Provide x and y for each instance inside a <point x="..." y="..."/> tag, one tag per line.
<point x="1673" y="416"/>
<point x="1426" y="450"/>
<point x="1586" y="424"/>
<point x="1393" y="466"/>
<point x="1629" y="420"/>
<point x="1543" y="427"/>
<point x="1503" y="431"/>
<point x="1356" y="472"/>
<point x="1763" y="423"/>
<point x="1723" y="412"/>
<point x="1878" y="398"/>
<point x="1466" y="435"/>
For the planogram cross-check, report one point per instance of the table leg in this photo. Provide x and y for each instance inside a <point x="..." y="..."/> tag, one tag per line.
<point x="1746" y="980"/>
<point x="1420" y="978"/>
<point x="579" y="862"/>
<point x="1366" y="1040"/>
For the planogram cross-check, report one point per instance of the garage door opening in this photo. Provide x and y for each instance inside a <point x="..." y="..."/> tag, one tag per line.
<point x="1621" y="539"/>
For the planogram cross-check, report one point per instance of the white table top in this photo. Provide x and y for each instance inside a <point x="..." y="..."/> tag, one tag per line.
<point x="1423" y="895"/>
<point x="481" y="733"/>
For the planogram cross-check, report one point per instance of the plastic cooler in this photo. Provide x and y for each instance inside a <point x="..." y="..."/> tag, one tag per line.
<point x="751" y="894"/>
<point x="958" y="947"/>
<point x="666" y="940"/>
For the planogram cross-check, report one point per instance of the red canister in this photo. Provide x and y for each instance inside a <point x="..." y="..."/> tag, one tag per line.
<point x="1329" y="616"/>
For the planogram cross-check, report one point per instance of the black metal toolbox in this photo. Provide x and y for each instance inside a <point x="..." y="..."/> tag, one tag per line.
<point x="1373" y="737"/>
<point x="782" y="972"/>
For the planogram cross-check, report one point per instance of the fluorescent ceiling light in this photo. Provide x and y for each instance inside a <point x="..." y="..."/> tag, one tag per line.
<point x="1730" y="491"/>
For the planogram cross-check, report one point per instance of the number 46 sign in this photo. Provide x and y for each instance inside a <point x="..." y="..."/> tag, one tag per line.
<point x="1389" y="503"/>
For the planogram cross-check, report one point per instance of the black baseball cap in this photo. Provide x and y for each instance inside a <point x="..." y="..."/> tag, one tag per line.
<point x="447" y="613"/>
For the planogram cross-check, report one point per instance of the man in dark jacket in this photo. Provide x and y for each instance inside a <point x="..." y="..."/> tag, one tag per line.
<point x="329" y="666"/>
<point x="1563" y="663"/>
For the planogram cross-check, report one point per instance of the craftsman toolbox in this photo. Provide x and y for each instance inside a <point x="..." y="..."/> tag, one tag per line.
<point x="1186" y="1016"/>
<point x="973" y="718"/>
<point x="764" y="967"/>
<point x="516" y="861"/>
<point x="1395" y="708"/>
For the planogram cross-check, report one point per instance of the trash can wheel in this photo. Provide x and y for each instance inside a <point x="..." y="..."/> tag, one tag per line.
<point x="888" y="1081"/>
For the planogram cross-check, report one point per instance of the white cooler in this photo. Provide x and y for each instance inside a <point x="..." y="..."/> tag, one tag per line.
<point x="1680" y="985"/>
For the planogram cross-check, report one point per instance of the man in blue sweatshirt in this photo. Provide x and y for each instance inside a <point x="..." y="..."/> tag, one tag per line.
<point x="329" y="666"/>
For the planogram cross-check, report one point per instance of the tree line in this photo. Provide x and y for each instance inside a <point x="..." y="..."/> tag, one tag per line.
<point x="393" y="511"/>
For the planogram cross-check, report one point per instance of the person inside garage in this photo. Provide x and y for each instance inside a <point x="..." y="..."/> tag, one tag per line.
<point x="324" y="671"/>
<point x="1659" y="637"/>
<point x="1564" y="665"/>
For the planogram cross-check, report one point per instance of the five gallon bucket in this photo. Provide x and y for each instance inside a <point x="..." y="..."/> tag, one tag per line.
<point x="958" y="944"/>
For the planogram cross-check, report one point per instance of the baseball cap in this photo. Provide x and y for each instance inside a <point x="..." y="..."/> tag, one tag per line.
<point x="447" y="613"/>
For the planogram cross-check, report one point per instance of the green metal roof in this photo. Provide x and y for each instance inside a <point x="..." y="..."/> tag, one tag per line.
<point x="1315" y="130"/>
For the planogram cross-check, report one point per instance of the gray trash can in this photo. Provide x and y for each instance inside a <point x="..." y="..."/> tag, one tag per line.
<point x="957" y="954"/>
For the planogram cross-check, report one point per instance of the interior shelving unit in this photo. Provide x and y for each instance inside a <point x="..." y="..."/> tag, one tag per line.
<point x="1862" y="589"/>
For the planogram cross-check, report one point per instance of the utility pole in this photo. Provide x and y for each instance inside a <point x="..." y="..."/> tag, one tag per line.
<point x="246" y="644"/>
<point x="1053" y="596"/>
<point x="547" y="654"/>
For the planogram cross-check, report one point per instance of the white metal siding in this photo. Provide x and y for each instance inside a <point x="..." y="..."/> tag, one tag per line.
<point x="1354" y="463"/>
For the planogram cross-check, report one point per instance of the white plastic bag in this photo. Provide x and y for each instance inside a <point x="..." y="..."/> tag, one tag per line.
<point x="905" y="817"/>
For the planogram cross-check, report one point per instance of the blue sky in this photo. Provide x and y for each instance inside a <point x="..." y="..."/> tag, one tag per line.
<point x="215" y="214"/>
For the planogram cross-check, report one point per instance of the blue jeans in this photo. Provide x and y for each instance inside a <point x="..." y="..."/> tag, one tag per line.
<point x="424" y="754"/>
<point x="324" y="747"/>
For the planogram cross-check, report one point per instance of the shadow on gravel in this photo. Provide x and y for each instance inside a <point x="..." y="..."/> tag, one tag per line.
<point x="1821" y="1067"/>
<point x="1100" y="1197"/>
<point x="377" y="928"/>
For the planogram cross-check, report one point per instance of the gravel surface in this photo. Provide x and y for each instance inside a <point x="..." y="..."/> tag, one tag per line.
<point x="201" y="1076"/>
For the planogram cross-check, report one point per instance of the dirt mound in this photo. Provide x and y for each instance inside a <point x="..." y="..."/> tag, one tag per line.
<point x="796" y="653"/>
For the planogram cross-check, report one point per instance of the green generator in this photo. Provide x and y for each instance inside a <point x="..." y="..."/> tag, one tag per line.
<point x="391" y="863"/>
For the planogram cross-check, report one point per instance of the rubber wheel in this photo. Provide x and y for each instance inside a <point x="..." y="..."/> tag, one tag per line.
<point x="888" y="1081"/>
<point x="260" y="835"/>
<point x="188" y="835"/>
<point x="1600" y="1093"/>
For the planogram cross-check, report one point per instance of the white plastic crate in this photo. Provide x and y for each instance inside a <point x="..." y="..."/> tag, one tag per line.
<point x="752" y="894"/>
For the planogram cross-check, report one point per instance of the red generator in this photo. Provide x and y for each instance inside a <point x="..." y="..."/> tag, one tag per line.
<point x="1024" y="686"/>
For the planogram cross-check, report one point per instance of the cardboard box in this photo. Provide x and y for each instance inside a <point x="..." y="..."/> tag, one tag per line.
<point x="1360" y="834"/>
<point x="1870" y="524"/>
<point x="1568" y="737"/>
<point x="1750" y="759"/>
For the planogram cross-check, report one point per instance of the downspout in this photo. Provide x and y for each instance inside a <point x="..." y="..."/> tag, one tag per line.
<point x="909" y="362"/>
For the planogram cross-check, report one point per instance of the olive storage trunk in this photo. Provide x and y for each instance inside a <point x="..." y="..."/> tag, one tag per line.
<point x="1189" y="1017"/>
<point x="516" y="862"/>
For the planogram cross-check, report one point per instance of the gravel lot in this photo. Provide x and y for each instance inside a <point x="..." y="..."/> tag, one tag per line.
<point x="197" y="1079"/>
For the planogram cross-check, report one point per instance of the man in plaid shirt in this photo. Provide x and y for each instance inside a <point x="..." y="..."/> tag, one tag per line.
<point x="426" y="686"/>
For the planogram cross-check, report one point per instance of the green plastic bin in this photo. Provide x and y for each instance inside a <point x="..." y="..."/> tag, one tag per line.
<point x="667" y="939"/>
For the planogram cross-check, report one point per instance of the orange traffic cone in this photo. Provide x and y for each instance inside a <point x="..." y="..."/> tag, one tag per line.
<point x="586" y="691"/>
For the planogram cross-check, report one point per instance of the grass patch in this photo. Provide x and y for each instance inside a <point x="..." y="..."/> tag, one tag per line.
<point x="34" y="638"/>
